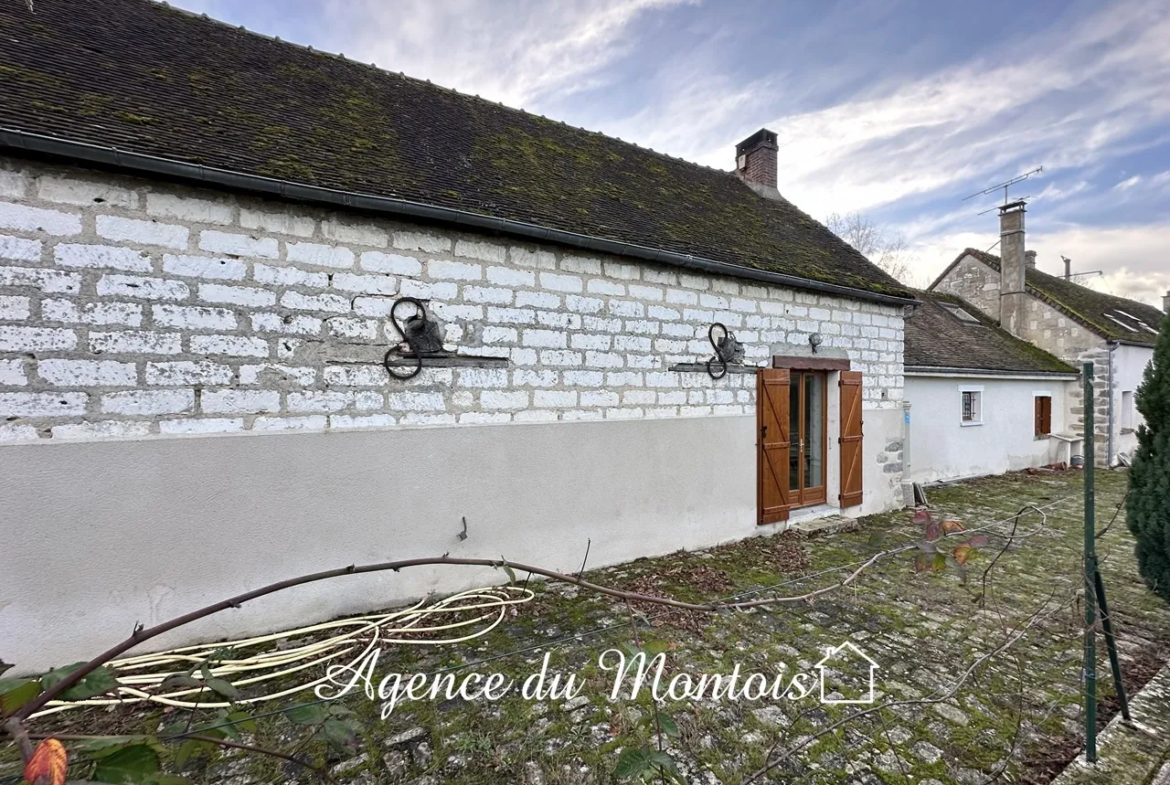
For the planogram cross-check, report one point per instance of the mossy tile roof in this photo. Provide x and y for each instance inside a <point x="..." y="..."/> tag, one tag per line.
<point x="146" y="78"/>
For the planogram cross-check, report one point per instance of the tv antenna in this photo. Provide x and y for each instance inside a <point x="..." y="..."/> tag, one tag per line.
<point x="1069" y="275"/>
<point x="1005" y="186"/>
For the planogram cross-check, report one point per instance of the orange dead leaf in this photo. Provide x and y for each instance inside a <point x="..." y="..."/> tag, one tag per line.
<point x="47" y="764"/>
<point x="950" y="527"/>
<point x="962" y="553"/>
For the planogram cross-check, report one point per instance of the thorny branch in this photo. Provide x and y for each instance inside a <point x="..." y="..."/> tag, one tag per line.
<point x="141" y="635"/>
<point x="237" y="745"/>
<point x="13" y="727"/>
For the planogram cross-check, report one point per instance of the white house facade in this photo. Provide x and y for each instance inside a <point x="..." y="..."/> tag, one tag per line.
<point x="979" y="401"/>
<point x="201" y="382"/>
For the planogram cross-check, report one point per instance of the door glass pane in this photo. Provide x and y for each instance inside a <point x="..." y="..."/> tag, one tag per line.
<point x="814" y="437"/>
<point x="794" y="433"/>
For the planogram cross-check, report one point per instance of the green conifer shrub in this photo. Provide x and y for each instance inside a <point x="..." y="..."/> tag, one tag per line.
<point x="1148" y="503"/>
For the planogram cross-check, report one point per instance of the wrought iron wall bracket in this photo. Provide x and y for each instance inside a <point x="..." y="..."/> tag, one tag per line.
<point x="728" y="351"/>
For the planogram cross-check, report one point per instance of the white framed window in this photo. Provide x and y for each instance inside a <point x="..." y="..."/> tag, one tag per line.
<point x="971" y="408"/>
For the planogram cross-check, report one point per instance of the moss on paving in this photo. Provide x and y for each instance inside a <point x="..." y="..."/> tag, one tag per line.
<point x="923" y="629"/>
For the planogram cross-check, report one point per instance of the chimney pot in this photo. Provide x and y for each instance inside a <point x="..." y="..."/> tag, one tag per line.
<point x="1166" y="303"/>
<point x="1030" y="258"/>
<point x="755" y="158"/>
<point x="1012" y="268"/>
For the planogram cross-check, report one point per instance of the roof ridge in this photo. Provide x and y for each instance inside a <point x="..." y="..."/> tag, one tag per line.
<point x="178" y="86"/>
<point x="475" y="97"/>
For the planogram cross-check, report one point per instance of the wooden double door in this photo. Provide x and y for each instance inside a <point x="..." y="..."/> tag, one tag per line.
<point x="792" y="456"/>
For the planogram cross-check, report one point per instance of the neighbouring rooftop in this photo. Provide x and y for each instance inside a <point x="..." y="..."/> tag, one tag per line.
<point x="1111" y="317"/>
<point x="945" y="331"/>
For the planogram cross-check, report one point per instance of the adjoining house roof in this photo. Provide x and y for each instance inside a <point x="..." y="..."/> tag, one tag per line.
<point x="1107" y="315"/>
<point x="947" y="333"/>
<point x="146" y="78"/>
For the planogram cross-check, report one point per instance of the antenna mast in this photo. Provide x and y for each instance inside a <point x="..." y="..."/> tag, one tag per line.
<point x="1005" y="186"/>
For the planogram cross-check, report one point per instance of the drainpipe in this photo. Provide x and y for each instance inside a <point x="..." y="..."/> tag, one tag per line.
<point x="1109" y="416"/>
<point x="907" y="477"/>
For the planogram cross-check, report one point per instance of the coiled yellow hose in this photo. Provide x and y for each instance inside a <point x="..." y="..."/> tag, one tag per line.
<point x="140" y="678"/>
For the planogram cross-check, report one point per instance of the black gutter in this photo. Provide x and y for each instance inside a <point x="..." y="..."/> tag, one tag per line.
<point x="140" y="163"/>
<point x="932" y="369"/>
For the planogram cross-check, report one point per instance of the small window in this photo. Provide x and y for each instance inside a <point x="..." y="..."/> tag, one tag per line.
<point x="972" y="407"/>
<point x="1043" y="415"/>
<point x="1127" y="410"/>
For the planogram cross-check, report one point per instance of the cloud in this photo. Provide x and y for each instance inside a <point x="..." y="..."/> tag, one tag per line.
<point x="1125" y="185"/>
<point x="520" y="54"/>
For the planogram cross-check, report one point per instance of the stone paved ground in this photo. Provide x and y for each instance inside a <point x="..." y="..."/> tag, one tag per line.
<point x="1020" y="714"/>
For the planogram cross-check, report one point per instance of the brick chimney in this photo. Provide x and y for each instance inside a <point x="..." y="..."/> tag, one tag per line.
<point x="755" y="158"/>
<point x="1012" y="267"/>
<point x="1030" y="258"/>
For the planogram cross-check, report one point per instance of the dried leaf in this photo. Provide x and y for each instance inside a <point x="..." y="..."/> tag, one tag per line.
<point x="932" y="531"/>
<point x="49" y="761"/>
<point x="950" y="527"/>
<point x="979" y="541"/>
<point x="963" y="552"/>
<point x="922" y="517"/>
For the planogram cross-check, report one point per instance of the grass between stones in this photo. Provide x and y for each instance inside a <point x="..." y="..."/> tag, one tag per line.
<point x="1021" y="712"/>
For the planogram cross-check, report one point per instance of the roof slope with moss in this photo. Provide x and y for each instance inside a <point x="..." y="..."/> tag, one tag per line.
<point x="1112" y="317"/>
<point x="143" y="77"/>
<point x="937" y="337"/>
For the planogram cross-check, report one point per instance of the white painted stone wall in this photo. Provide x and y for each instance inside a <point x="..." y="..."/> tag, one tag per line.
<point x="943" y="448"/>
<point x="138" y="316"/>
<point x="1129" y="367"/>
<point x="131" y="308"/>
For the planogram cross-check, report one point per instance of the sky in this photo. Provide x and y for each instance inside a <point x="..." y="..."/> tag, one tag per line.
<point x="897" y="110"/>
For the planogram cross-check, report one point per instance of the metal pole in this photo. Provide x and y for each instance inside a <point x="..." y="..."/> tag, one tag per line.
<point x="1111" y="643"/>
<point x="1090" y="556"/>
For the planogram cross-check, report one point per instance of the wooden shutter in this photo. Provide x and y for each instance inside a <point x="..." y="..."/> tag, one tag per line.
<point x="850" y="441"/>
<point x="1043" y="415"/>
<point x="772" y="453"/>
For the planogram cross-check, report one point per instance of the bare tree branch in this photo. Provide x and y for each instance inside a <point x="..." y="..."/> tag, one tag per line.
<point x="888" y="251"/>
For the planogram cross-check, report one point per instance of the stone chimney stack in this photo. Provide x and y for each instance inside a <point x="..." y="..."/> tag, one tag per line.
<point x="1166" y="303"/>
<point x="1030" y="258"/>
<point x="1012" y="267"/>
<point x="755" y="158"/>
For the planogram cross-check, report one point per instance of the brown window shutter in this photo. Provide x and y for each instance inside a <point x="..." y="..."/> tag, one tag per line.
<point x="1043" y="415"/>
<point x="1038" y="416"/>
<point x="851" y="460"/>
<point x="772" y="455"/>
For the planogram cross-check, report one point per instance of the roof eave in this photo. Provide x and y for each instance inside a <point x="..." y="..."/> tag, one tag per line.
<point x="140" y="164"/>
<point x="940" y="370"/>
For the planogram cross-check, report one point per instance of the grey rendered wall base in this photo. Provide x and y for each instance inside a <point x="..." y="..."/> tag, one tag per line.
<point x="145" y="530"/>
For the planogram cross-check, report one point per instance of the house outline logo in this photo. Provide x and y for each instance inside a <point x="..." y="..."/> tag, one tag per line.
<point x="832" y="652"/>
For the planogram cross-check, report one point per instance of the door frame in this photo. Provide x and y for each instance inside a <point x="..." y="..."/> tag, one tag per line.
<point x="832" y="366"/>
<point x="801" y="496"/>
